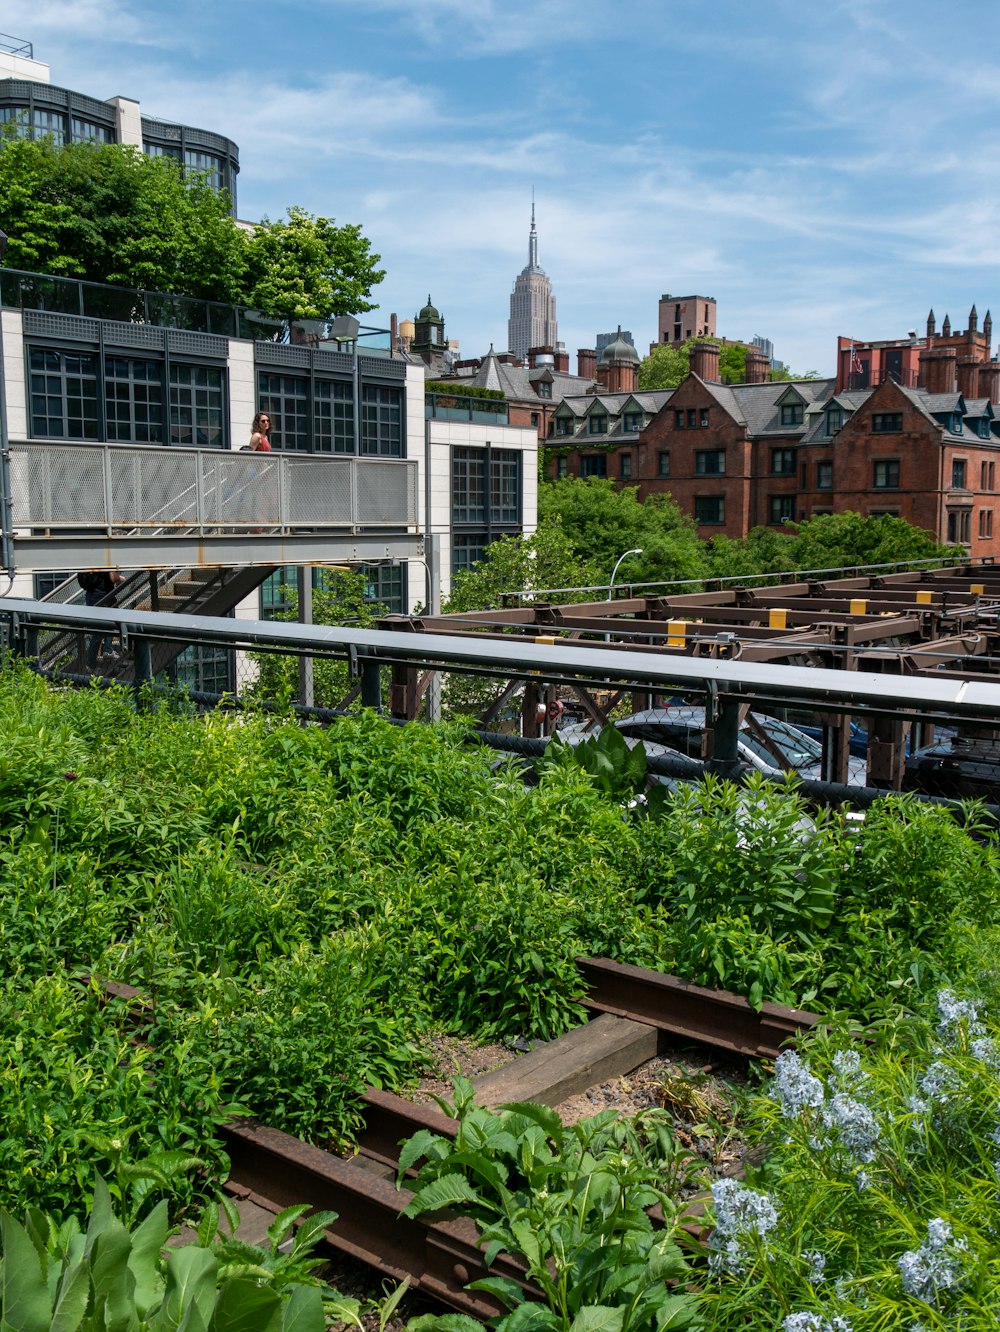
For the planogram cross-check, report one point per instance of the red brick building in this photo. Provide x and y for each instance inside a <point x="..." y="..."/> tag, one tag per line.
<point x="764" y="454"/>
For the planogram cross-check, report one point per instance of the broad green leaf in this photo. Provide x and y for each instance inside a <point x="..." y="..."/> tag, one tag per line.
<point x="245" y="1306"/>
<point x="282" y="1224"/>
<point x="71" y="1299"/>
<point x="598" y="1318"/>
<point x="26" y="1306"/>
<point x="192" y="1274"/>
<point x="454" y="1322"/>
<point x="542" y="1115"/>
<point x="148" y="1240"/>
<point x="443" y="1192"/>
<point x="508" y="1292"/>
<point x="111" y="1278"/>
<point x="414" y="1148"/>
<point x="100" y="1213"/>
<point x="303" y="1311"/>
<point x="530" y="1318"/>
<point x="679" y="1311"/>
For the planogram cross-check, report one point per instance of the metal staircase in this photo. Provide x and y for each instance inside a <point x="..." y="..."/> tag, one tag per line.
<point x="191" y="591"/>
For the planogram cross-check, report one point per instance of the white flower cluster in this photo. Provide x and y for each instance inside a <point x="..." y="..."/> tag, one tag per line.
<point x="810" y="1322"/>
<point x="956" y="1015"/>
<point x="935" y="1266"/>
<point x="794" y="1087"/>
<point x="740" y="1213"/>
<point x="817" y="1265"/>
<point x="849" y="1121"/>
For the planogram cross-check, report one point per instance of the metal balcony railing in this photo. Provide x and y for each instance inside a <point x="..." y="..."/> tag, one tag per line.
<point x="16" y="46"/>
<point x="127" y="489"/>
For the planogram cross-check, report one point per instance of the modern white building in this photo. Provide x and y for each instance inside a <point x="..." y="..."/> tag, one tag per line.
<point x="125" y="413"/>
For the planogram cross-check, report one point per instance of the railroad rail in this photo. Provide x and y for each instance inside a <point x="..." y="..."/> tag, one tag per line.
<point x="440" y="1254"/>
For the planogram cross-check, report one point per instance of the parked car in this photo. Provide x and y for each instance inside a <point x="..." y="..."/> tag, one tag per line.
<point x="960" y="767"/>
<point x="780" y="747"/>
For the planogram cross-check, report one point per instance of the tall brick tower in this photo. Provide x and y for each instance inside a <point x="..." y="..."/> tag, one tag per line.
<point x="532" y="320"/>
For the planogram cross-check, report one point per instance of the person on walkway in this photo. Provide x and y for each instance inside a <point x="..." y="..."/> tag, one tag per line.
<point x="260" y="433"/>
<point x="98" y="585"/>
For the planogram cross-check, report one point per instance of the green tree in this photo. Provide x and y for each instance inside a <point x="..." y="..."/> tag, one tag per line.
<point x="602" y="522"/>
<point x="828" y="541"/>
<point x="309" y="268"/>
<point x="108" y="213"/>
<point x="667" y="366"/>
<point x="546" y="559"/>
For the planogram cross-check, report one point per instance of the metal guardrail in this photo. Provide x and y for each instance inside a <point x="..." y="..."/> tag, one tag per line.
<point x="128" y="489"/>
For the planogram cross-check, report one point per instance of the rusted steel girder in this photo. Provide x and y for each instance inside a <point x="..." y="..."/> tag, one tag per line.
<point x="439" y="1255"/>
<point x="714" y="1017"/>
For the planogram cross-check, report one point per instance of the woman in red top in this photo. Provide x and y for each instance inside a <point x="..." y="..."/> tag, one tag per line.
<point x="260" y="433"/>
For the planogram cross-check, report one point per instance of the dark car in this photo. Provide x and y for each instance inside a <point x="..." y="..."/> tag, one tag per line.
<point x="962" y="768"/>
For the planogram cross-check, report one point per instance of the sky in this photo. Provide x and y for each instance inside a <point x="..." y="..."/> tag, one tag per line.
<point x="819" y="167"/>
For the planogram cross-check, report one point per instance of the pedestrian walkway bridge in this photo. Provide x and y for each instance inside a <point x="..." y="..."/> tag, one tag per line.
<point x="118" y="506"/>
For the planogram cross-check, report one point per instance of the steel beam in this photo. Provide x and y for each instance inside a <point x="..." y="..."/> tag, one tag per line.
<point x="41" y="554"/>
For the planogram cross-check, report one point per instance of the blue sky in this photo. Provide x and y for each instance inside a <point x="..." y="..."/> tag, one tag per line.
<point x="818" y="168"/>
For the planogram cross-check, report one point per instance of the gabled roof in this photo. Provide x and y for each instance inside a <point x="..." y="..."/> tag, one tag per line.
<point x="517" y="382"/>
<point x="760" y="404"/>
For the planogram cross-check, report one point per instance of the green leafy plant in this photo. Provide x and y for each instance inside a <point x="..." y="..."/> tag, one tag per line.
<point x="570" y="1203"/>
<point x="108" y="1278"/>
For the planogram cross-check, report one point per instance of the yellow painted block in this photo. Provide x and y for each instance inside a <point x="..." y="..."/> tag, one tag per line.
<point x="777" y="618"/>
<point x="676" y="632"/>
<point x="977" y="589"/>
<point x="859" y="605"/>
<point x="546" y="638"/>
<point x="924" y="598"/>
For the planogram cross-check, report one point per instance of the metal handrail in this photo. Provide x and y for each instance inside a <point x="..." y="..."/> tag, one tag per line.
<point x="16" y="46"/>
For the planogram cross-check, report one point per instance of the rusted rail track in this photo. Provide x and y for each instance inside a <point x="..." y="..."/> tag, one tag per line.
<point x="439" y="1255"/>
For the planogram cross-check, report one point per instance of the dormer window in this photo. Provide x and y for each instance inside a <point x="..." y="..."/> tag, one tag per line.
<point x="984" y="427"/>
<point x="564" y="425"/>
<point x="598" y="425"/>
<point x="834" y="419"/>
<point x="791" y="413"/>
<point x="543" y="388"/>
<point x="632" y="422"/>
<point x="956" y="423"/>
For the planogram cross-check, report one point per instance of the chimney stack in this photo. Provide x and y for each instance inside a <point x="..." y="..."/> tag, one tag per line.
<point x="561" y="359"/>
<point x="705" y="361"/>
<point x="586" y="363"/>
<point x="989" y="380"/>
<point x="758" y="366"/>
<point x="937" y="369"/>
<point x="968" y="377"/>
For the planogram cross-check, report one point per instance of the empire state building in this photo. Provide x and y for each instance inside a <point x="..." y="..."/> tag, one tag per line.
<point x="532" y="320"/>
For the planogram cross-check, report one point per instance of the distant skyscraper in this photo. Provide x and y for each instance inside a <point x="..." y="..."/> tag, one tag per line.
<point x="532" y="320"/>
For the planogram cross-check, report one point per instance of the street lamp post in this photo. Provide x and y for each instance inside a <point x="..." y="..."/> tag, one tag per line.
<point x="611" y="586"/>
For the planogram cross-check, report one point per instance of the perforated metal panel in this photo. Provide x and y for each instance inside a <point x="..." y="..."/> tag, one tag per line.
<point x="339" y="362"/>
<point x="132" y="335"/>
<point x="385" y="492"/>
<point x="320" y="490"/>
<point x="273" y="353"/>
<point x="382" y="367"/>
<point x="241" y="489"/>
<point x="153" y="488"/>
<point x="197" y="344"/>
<point x="57" y="484"/>
<point x="45" y="325"/>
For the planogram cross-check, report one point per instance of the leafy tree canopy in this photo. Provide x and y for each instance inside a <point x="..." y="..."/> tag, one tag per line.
<point x="828" y="541"/>
<point x="546" y="559"/>
<point x="667" y="366"/>
<point x="307" y="267"/>
<point x="602" y="522"/>
<point x="108" y="213"/>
